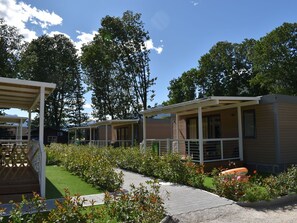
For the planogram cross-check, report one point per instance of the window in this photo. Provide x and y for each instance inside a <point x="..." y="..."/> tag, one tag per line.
<point x="249" y="124"/>
<point x="52" y="139"/>
<point x="211" y="127"/>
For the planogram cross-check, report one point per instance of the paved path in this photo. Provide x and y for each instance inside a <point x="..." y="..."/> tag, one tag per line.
<point x="182" y="199"/>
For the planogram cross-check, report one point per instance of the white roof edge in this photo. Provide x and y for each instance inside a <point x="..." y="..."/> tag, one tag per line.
<point x="199" y="100"/>
<point x="27" y="83"/>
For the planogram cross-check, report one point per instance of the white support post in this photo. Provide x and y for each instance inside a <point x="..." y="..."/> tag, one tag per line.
<point x="17" y="133"/>
<point x="132" y="131"/>
<point x="200" y="130"/>
<point x="106" y="135"/>
<point x="29" y="125"/>
<point x="144" y="132"/>
<point x="41" y="135"/>
<point x="240" y="141"/>
<point x="21" y="130"/>
<point x="90" y="139"/>
<point x="177" y="130"/>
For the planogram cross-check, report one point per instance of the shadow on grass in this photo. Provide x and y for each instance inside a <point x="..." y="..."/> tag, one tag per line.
<point x="52" y="191"/>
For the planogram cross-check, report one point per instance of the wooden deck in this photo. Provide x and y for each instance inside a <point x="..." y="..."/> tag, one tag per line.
<point x="17" y="181"/>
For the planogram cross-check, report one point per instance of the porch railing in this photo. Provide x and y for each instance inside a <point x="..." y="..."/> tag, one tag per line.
<point x="22" y="153"/>
<point x="213" y="149"/>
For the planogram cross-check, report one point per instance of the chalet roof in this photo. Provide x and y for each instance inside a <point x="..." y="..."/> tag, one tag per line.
<point x="207" y="104"/>
<point x="22" y="94"/>
<point x="108" y="122"/>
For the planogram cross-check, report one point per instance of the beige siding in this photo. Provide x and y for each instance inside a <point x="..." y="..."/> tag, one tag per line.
<point x="229" y="127"/>
<point x="159" y="129"/>
<point x="288" y="132"/>
<point x="261" y="149"/>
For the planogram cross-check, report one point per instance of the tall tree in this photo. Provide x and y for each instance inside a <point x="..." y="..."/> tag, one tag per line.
<point x="275" y="60"/>
<point x="226" y="70"/>
<point x="183" y="88"/>
<point x="10" y="48"/>
<point x="52" y="59"/>
<point x="116" y="63"/>
<point x="75" y="106"/>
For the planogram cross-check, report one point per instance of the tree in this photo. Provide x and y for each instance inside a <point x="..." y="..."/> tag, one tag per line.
<point x="226" y="70"/>
<point x="10" y="47"/>
<point x="183" y="88"/>
<point x="116" y="64"/>
<point x="53" y="59"/>
<point x="75" y="109"/>
<point x="275" y="60"/>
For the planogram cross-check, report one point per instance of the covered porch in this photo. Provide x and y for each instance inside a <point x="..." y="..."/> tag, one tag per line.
<point x="22" y="160"/>
<point x="107" y="133"/>
<point x="207" y="130"/>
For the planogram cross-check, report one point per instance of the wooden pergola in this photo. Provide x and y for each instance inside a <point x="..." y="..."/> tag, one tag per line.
<point x="28" y="96"/>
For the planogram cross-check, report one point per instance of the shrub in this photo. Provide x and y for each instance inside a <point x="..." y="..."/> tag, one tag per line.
<point x="139" y="205"/>
<point x="255" y="193"/>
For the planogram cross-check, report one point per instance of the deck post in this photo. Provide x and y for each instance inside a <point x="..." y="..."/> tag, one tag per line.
<point x="90" y="136"/>
<point x="144" y="132"/>
<point x="41" y="135"/>
<point x="240" y="142"/>
<point x="21" y="130"/>
<point x="177" y="130"/>
<point x="132" y="139"/>
<point x="106" y="135"/>
<point x="200" y="131"/>
<point x="75" y="135"/>
<point x="29" y="125"/>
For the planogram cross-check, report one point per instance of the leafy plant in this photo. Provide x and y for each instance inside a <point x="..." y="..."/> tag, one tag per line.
<point x="140" y="204"/>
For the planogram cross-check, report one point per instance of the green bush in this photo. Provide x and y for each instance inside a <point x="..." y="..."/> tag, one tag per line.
<point x="91" y="164"/>
<point x="255" y="193"/>
<point x="140" y="204"/>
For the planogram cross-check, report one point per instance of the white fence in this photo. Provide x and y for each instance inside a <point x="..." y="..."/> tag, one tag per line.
<point x="213" y="149"/>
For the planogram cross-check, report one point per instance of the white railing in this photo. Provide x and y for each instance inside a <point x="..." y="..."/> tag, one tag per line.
<point x="37" y="158"/>
<point x="213" y="149"/>
<point x="13" y="153"/>
<point x="105" y="143"/>
<point x="100" y="143"/>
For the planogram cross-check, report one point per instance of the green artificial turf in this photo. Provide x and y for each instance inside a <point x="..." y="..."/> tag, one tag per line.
<point x="58" y="179"/>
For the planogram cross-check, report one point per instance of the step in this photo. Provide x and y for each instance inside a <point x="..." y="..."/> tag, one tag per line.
<point x="7" y="198"/>
<point x="19" y="188"/>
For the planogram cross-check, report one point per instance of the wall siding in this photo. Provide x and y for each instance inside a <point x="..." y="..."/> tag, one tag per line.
<point x="288" y="132"/>
<point x="261" y="149"/>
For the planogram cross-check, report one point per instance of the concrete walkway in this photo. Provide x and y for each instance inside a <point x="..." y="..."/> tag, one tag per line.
<point x="182" y="199"/>
<point x="178" y="199"/>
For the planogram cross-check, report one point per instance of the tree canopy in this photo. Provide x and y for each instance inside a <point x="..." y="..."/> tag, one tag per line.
<point x="54" y="59"/>
<point x="249" y="68"/>
<point x="10" y="48"/>
<point x="116" y="64"/>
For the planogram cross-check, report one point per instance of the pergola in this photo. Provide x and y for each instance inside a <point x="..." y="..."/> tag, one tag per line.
<point x="106" y="123"/>
<point x="29" y="96"/>
<point x="199" y="106"/>
<point x="8" y="121"/>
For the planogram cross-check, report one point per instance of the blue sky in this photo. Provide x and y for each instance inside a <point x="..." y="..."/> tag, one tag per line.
<point x="181" y="30"/>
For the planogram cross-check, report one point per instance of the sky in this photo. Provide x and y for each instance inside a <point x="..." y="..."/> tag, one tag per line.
<point x="181" y="31"/>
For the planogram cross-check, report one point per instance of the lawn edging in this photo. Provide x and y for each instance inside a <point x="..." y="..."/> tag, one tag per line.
<point x="280" y="201"/>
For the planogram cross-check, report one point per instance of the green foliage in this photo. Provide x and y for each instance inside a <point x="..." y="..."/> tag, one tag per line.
<point x="275" y="60"/>
<point x="70" y="209"/>
<point x="53" y="59"/>
<point x="116" y="64"/>
<point x="89" y="164"/>
<point x="183" y="88"/>
<point x="255" y="193"/>
<point x="140" y="204"/>
<point x="10" y="48"/>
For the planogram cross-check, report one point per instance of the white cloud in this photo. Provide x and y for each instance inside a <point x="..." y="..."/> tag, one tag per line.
<point x="19" y="14"/>
<point x="83" y="38"/>
<point x="51" y="34"/>
<point x="87" y="105"/>
<point x="195" y="3"/>
<point x="150" y="46"/>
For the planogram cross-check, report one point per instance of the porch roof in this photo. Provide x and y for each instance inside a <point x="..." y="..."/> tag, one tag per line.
<point x="108" y="122"/>
<point x="207" y="104"/>
<point x="116" y="122"/>
<point x="22" y="94"/>
<point x="12" y="119"/>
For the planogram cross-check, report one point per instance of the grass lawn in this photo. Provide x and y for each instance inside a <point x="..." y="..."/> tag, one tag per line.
<point x="57" y="179"/>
